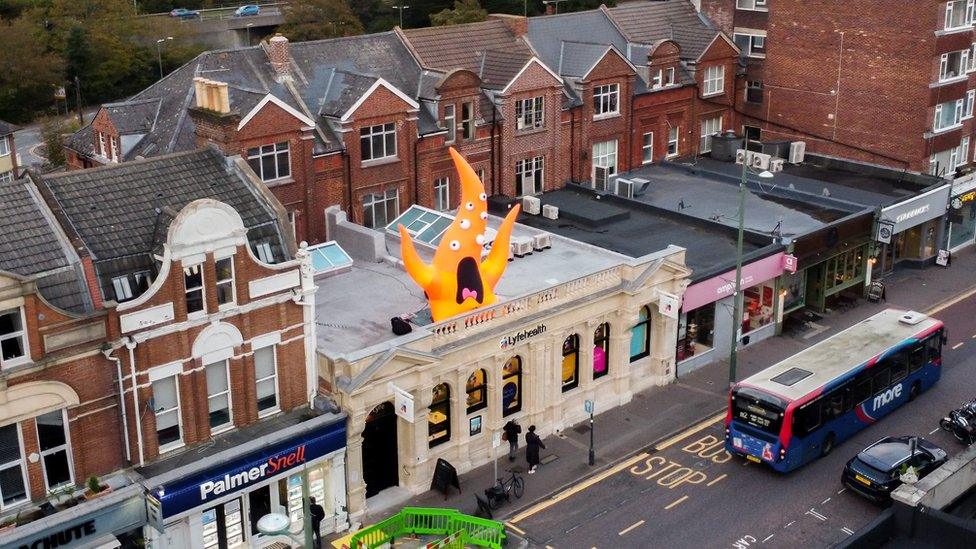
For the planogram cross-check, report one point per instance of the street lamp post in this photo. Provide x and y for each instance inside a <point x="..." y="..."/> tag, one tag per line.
<point x="159" y="54"/>
<point x="401" y="7"/>
<point x="588" y="407"/>
<point x="737" y="296"/>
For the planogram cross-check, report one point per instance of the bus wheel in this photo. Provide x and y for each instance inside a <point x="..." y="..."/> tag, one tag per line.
<point x="827" y="445"/>
<point x="913" y="393"/>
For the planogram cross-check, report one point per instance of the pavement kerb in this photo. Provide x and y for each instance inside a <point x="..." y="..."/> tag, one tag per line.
<point x="649" y="449"/>
<point x="950" y="301"/>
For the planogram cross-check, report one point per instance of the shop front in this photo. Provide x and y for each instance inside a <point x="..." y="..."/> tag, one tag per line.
<point x="219" y="505"/>
<point x="911" y="231"/>
<point x="705" y="324"/>
<point x="962" y="213"/>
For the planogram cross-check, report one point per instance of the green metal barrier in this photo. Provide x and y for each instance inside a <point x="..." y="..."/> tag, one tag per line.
<point x="459" y="530"/>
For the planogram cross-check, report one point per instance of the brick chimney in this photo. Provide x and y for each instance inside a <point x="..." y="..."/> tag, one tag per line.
<point x="517" y="24"/>
<point x="212" y="118"/>
<point x="280" y="57"/>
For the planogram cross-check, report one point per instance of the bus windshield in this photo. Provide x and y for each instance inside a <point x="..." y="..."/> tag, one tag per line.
<point x="760" y="410"/>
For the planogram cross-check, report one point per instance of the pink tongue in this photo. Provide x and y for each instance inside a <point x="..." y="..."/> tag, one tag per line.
<point x="466" y="293"/>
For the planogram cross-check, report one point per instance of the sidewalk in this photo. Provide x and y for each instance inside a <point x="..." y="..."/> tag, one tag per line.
<point x="660" y="412"/>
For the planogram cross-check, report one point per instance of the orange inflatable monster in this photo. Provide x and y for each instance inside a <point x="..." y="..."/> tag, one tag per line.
<point x="458" y="280"/>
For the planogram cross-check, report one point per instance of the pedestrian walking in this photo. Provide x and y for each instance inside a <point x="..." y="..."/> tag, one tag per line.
<point x="532" y="445"/>
<point x="512" y="430"/>
<point x="317" y="513"/>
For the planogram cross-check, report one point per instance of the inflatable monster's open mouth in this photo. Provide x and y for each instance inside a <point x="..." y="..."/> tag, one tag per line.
<point x="469" y="281"/>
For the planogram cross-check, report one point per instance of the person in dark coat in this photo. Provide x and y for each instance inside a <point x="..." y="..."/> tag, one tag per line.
<point x="512" y="430"/>
<point x="532" y="445"/>
<point x="318" y="514"/>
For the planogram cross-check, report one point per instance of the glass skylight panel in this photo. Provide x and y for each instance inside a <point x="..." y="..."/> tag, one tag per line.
<point x="329" y="256"/>
<point x="422" y="224"/>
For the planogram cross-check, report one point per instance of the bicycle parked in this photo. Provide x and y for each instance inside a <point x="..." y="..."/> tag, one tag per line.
<point x="502" y="491"/>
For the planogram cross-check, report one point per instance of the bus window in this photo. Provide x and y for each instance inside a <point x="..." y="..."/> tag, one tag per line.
<point x="899" y="368"/>
<point x="808" y="417"/>
<point x="934" y="344"/>
<point x="862" y="390"/>
<point x="833" y="405"/>
<point x="760" y="410"/>
<point x="882" y="379"/>
<point x="918" y="358"/>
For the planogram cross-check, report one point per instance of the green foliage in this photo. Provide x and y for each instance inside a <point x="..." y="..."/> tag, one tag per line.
<point x="28" y="73"/>
<point x="465" y="11"/>
<point x="94" y="484"/>
<point x="53" y="130"/>
<point x="316" y="19"/>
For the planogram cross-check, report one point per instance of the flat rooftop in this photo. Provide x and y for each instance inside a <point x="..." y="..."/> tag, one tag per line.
<point x="635" y="229"/>
<point x="353" y="308"/>
<point x="771" y="207"/>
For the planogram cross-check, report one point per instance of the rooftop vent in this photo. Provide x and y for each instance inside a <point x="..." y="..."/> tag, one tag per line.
<point x="912" y="318"/>
<point x="792" y="376"/>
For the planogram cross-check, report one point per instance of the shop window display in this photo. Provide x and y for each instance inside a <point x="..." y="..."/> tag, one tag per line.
<point x="512" y="386"/>
<point x="795" y="285"/>
<point x="696" y="330"/>
<point x="640" y="335"/>
<point x="844" y="270"/>
<point x="477" y="391"/>
<point x="439" y="416"/>
<point x="601" y="350"/>
<point x="758" y="306"/>
<point x="571" y="363"/>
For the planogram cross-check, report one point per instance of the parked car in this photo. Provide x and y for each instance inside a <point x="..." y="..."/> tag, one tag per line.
<point x="875" y="472"/>
<point x="245" y="11"/>
<point x="184" y="13"/>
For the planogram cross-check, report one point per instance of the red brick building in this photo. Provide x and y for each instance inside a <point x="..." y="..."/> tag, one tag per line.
<point x="364" y="122"/>
<point x="860" y="80"/>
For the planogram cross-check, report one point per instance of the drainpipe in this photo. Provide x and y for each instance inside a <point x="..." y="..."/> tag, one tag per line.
<point x="348" y="174"/>
<point x="305" y="297"/>
<point x="494" y="123"/>
<point x="125" y="420"/>
<point x="130" y="344"/>
<point x="416" y="176"/>
<point x="572" y="144"/>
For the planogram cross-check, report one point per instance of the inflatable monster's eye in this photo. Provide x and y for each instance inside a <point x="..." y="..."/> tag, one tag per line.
<point x="482" y="197"/>
<point x="455" y="245"/>
<point x="469" y="206"/>
<point x="480" y="239"/>
<point x="465" y="223"/>
<point x="484" y="215"/>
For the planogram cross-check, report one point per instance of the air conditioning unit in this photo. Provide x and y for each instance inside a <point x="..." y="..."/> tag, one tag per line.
<point x="759" y="161"/>
<point x="625" y="187"/>
<point x="776" y="165"/>
<point x="531" y="205"/>
<point x="741" y="156"/>
<point x="542" y="241"/>
<point x="521" y="247"/>
<point x="550" y="212"/>
<point x="798" y="150"/>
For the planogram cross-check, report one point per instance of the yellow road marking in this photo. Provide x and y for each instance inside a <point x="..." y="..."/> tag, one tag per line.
<point x="681" y="436"/>
<point x="517" y="530"/>
<point x="576" y="489"/>
<point x="629" y="528"/>
<point x="951" y="302"/>
<point x="957" y="345"/>
<point x="718" y="478"/>
<point x="974" y="336"/>
<point x="677" y="501"/>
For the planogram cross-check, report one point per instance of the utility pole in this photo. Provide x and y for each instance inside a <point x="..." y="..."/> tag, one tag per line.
<point x="159" y="54"/>
<point x="81" y="116"/>
<point x="401" y="7"/>
<point x="588" y="406"/>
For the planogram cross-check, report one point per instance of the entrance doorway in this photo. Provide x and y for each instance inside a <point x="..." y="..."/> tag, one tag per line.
<point x="380" y="450"/>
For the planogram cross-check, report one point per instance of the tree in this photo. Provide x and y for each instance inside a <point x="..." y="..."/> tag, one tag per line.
<point x="465" y="11"/>
<point x="28" y="73"/>
<point x="316" y="19"/>
<point x="53" y="130"/>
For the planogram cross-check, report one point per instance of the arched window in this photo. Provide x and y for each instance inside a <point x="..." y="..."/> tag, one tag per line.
<point x="512" y="386"/>
<point x="640" y="335"/>
<point x="601" y="350"/>
<point x="477" y="390"/>
<point x="571" y="363"/>
<point x="439" y="416"/>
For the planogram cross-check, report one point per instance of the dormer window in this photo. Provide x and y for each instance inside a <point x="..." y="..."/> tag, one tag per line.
<point x="13" y="339"/>
<point x="193" y="284"/>
<point x="467" y="121"/>
<point x="264" y="252"/>
<point x="606" y="100"/>
<point x="450" y="122"/>
<point x="663" y="77"/>
<point x="529" y="114"/>
<point x="123" y="292"/>
<point x="102" y="144"/>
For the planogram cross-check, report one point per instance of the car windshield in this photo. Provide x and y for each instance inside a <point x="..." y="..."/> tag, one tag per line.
<point x="760" y="410"/>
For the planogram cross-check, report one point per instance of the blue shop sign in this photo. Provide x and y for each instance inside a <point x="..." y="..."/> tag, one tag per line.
<point x="239" y="474"/>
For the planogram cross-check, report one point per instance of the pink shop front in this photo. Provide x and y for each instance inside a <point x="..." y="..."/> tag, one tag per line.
<point x="705" y="324"/>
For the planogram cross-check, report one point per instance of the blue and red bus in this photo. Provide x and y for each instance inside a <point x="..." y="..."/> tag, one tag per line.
<point x="797" y="410"/>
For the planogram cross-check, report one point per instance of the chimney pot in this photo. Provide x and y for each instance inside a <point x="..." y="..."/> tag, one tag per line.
<point x="223" y="103"/>
<point x="200" y="91"/>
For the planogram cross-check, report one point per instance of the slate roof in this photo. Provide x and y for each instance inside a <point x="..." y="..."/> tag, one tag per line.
<point x="30" y="246"/>
<point x="648" y="22"/>
<point x="488" y="49"/>
<point x="6" y="128"/>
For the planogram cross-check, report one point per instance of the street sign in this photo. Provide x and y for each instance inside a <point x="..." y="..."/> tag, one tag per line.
<point x="668" y="304"/>
<point x="588" y="406"/>
<point x="402" y="402"/>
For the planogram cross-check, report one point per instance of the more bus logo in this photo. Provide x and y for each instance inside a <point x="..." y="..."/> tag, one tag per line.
<point x="887" y="396"/>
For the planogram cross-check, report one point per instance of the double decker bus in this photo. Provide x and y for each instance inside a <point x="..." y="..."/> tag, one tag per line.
<point x="797" y="410"/>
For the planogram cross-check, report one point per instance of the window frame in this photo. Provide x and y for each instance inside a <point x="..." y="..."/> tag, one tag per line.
<point x="229" y="424"/>
<point x="533" y="171"/>
<point x="21" y="462"/>
<point x="469" y="389"/>
<point x="467" y="121"/>
<point x="607" y="152"/>
<point x="122" y="288"/>
<point x="383" y="132"/>
<point x="5" y="145"/>
<point x="646" y="324"/>
<point x="574" y="351"/>
<point x="7" y="176"/>
<point x="177" y="410"/>
<point x="256" y="157"/>
<point x="442" y="194"/>
<point x="518" y="384"/>
<point x="606" y="101"/>
<point x="274" y="376"/>
<point x="24" y="358"/>
<point x="530" y="114"/>
<point x="705" y="137"/>
<point x="647" y="146"/>
<point x="188" y="290"/>
<point x="751" y="5"/>
<point x="956" y="107"/>
<point x="752" y="86"/>
<point x="66" y="448"/>
<point x="450" y="122"/>
<point x="602" y="342"/>
<point x="713" y="84"/>
<point x="961" y="67"/>
<point x="676" y="130"/>
<point x="963" y="155"/>
<point x="445" y="404"/>
<point x="756" y="42"/>
<point x="966" y="6"/>
<point x="264" y="252"/>
<point x="225" y="282"/>
<point x="374" y="199"/>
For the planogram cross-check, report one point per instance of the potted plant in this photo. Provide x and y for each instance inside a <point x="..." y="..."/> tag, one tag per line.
<point x="96" y="488"/>
<point x="9" y="523"/>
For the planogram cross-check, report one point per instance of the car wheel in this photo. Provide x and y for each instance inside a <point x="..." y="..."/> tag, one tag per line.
<point x="827" y="445"/>
<point x="913" y="393"/>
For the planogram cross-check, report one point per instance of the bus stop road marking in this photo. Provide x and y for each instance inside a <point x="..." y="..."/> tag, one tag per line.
<point x="824" y="501"/>
<point x="676" y="502"/>
<point x="692" y="430"/>
<point x="932" y="432"/>
<point x="631" y="527"/>
<point x="847" y="531"/>
<point x="518" y="530"/>
<point x="716" y="479"/>
<point x="841" y="491"/>
<point x="957" y="345"/>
